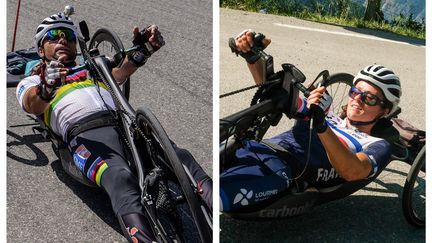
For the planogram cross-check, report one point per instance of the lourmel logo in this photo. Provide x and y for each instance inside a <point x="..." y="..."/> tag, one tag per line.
<point x="243" y="197"/>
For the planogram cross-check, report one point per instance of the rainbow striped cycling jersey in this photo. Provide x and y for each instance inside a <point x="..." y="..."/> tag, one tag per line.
<point x="78" y="98"/>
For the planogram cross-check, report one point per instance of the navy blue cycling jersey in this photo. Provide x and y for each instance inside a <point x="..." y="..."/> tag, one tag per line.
<point x="259" y="173"/>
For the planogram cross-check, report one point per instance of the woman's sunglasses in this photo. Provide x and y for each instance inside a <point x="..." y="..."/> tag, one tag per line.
<point x="367" y="98"/>
<point x="56" y="34"/>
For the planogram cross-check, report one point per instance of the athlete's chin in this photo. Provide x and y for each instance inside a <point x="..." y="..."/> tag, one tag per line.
<point x="354" y="113"/>
<point x="357" y="115"/>
<point x="65" y="57"/>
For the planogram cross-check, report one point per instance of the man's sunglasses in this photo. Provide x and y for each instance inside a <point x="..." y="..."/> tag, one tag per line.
<point x="367" y="98"/>
<point x="56" y="34"/>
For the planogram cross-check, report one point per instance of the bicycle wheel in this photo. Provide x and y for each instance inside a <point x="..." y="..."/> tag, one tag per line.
<point x="414" y="192"/>
<point x="167" y="158"/>
<point x="338" y="86"/>
<point x="109" y="44"/>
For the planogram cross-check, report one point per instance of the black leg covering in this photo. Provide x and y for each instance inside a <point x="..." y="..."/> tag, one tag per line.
<point x="136" y="228"/>
<point x="204" y="182"/>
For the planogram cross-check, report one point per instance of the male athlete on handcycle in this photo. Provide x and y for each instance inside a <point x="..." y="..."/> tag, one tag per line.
<point x="341" y="149"/>
<point x="76" y="109"/>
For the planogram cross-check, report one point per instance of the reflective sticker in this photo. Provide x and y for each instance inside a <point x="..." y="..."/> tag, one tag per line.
<point x="80" y="157"/>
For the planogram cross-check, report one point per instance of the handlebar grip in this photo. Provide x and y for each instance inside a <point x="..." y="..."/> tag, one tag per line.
<point x="141" y="38"/>
<point x="84" y="30"/>
<point x="141" y="42"/>
<point x="302" y="89"/>
<point x="258" y="38"/>
<point x="232" y="45"/>
<point x="257" y="43"/>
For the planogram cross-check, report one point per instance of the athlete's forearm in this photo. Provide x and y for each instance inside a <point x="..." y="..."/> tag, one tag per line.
<point x="257" y="71"/>
<point x="348" y="165"/>
<point x="122" y="73"/>
<point x="33" y="103"/>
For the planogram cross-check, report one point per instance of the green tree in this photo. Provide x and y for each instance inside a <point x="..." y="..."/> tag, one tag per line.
<point x="373" y="11"/>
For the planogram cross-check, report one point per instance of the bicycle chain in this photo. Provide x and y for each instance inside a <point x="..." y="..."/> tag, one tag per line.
<point x="248" y="88"/>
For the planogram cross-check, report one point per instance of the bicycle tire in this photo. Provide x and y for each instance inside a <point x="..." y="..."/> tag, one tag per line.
<point x="411" y="214"/>
<point x="154" y="131"/>
<point x="338" y="85"/>
<point x="104" y="40"/>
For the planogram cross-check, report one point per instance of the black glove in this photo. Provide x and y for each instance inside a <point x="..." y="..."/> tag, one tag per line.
<point x="251" y="57"/>
<point x="318" y="114"/>
<point x="148" y="40"/>
<point x="51" y="80"/>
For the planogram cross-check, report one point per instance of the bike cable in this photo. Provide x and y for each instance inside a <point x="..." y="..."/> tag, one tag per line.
<point x="310" y="133"/>
<point x="94" y="67"/>
<point x="122" y="110"/>
<point x="306" y="93"/>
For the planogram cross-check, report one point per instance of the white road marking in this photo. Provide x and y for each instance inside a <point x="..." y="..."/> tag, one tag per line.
<point x="344" y="34"/>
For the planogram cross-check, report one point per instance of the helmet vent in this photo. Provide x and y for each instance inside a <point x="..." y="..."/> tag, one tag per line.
<point x="377" y="68"/>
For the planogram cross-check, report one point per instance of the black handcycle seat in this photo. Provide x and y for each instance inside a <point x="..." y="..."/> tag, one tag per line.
<point x="299" y="200"/>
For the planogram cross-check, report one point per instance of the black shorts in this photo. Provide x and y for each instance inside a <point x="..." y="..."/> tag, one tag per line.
<point x="99" y="154"/>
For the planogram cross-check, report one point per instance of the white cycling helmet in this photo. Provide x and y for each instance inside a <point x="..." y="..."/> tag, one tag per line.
<point x="385" y="79"/>
<point x="54" y="21"/>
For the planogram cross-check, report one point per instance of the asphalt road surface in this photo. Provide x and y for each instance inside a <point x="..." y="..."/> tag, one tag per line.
<point x="46" y="205"/>
<point x="373" y="214"/>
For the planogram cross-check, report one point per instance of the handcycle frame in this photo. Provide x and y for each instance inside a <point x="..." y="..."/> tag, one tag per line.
<point x="152" y="136"/>
<point x="252" y="123"/>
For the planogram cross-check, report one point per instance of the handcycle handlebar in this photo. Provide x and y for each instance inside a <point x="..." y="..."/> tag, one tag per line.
<point x="242" y="120"/>
<point x="112" y="62"/>
<point x="277" y="95"/>
<point x="258" y="50"/>
<point x="281" y="98"/>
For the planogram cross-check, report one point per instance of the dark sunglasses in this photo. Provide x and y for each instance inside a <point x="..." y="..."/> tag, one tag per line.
<point x="56" y="34"/>
<point x="367" y="98"/>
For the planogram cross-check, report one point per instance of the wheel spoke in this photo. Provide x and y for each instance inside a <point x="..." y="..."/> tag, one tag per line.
<point x="337" y="86"/>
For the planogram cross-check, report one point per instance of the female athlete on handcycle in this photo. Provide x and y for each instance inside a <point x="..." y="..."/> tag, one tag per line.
<point x="341" y="150"/>
<point x="78" y="110"/>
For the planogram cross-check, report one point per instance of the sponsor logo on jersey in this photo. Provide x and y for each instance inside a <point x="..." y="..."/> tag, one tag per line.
<point x="285" y="211"/>
<point x="20" y="91"/>
<point x="243" y="197"/>
<point x="325" y="174"/>
<point x="259" y="196"/>
<point x="80" y="157"/>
